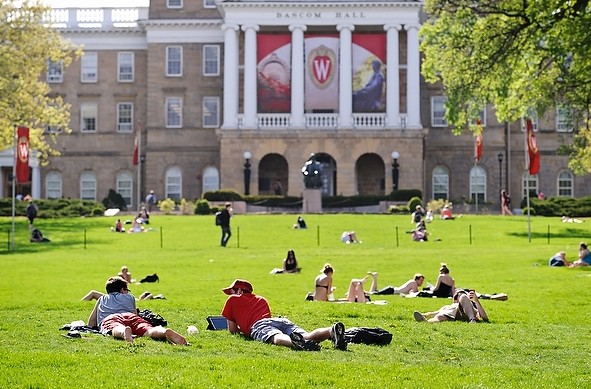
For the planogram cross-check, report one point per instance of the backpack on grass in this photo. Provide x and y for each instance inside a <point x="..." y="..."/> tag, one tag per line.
<point x="152" y="318"/>
<point x="367" y="335"/>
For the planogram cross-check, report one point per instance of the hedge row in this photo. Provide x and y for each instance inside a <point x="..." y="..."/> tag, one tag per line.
<point x="559" y="206"/>
<point x="327" y="201"/>
<point x="54" y="208"/>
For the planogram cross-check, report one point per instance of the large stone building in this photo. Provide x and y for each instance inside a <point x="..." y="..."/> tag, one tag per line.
<point x="238" y="95"/>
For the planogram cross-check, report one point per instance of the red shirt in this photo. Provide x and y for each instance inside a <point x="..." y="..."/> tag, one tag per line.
<point x="245" y="310"/>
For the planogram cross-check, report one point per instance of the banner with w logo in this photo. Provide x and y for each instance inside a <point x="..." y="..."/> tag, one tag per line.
<point x="532" y="149"/>
<point x="322" y="72"/>
<point x="22" y="155"/>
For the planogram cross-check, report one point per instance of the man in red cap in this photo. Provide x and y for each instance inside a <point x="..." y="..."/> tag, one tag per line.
<point x="250" y="314"/>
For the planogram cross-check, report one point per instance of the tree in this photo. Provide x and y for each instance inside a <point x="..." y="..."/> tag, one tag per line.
<point x="516" y="55"/>
<point x="26" y="45"/>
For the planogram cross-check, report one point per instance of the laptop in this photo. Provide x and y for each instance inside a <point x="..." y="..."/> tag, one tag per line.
<point x="216" y="323"/>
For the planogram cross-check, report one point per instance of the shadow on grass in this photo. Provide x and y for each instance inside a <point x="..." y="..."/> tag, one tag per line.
<point x="566" y="233"/>
<point x="71" y="233"/>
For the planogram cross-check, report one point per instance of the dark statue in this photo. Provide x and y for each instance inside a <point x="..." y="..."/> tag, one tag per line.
<point x="312" y="172"/>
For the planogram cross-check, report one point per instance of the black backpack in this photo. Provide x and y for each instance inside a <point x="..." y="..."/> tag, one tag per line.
<point x="218" y="218"/>
<point x="153" y="318"/>
<point x="367" y="335"/>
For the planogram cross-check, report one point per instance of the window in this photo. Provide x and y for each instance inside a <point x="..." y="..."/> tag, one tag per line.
<point x="174" y="112"/>
<point x="211" y="117"/>
<point x="208" y="3"/>
<point x="174" y="3"/>
<point x="88" y="186"/>
<point x="478" y="184"/>
<point x="124" y="187"/>
<point x="211" y="60"/>
<point x="482" y="117"/>
<point x="564" y="119"/>
<point x="53" y="185"/>
<point x="534" y="120"/>
<point x="440" y="183"/>
<point x="55" y="71"/>
<point x="565" y="184"/>
<point x="438" y="111"/>
<point x="125" y="67"/>
<point x="529" y="183"/>
<point x="88" y="67"/>
<point x="88" y="117"/>
<point x="125" y="117"/>
<point x="174" y="182"/>
<point x="211" y="179"/>
<point x="174" y="61"/>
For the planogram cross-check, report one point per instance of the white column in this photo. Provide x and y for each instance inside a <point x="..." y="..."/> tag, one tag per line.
<point x="231" y="76"/>
<point x="345" y="77"/>
<point x="297" y="76"/>
<point x="36" y="182"/>
<point x="392" y="76"/>
<point x="413" y="82"/>
<point x="250" y="76"/>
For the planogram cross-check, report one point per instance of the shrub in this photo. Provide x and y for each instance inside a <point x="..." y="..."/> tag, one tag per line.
<point x="222" y="195"/>
<point x="436" y="205"/>
<point x="187" y="207"/>
<point x="398" y="209"/>
<point x="404" y="194"/>
<point x="412" y="203"/>
<point x="167" y="206"/>
<point x="114" y="200"/>
<point x="202" y="207"/>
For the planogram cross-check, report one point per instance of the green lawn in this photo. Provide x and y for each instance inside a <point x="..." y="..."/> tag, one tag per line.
<point x="538" y="338"/>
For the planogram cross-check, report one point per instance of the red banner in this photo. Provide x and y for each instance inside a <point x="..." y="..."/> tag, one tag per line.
<point x="532" y="149"/>
<point x="478" y="141"/>
<point x="22" y="155"/>
<point x="136" y="150"/>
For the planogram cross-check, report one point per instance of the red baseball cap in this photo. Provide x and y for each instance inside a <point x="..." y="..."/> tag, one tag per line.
<point x="238" y="284"/>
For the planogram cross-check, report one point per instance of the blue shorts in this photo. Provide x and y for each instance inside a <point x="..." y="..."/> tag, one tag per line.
<point x="265" y="330"/>
<point x="587" y="259"/>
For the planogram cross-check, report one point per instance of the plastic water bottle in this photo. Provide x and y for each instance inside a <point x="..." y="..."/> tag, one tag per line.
<point x="192" y="330"/>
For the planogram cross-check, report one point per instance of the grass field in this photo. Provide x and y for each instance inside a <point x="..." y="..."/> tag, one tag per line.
<point x="539" y="338"/>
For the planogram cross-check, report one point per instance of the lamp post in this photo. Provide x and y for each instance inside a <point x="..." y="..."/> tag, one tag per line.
<point x="395" y="167"/>
<point x="247" y="156"/>
<point x="500" y="158"/>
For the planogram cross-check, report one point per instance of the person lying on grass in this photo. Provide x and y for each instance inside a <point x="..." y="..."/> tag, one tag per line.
<point x="250" y="315"/>
<point x="410" y="286"/>
<point x="115" y="314"/>
<point x="466" y="307"/>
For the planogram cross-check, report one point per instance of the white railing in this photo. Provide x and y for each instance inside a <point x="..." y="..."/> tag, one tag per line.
<point x="96" y="18"/>
<point x="322" y="121"/>
<point x="369" y="121"/>
<point x="317" y="121"/>
<point x="273" y="120"/>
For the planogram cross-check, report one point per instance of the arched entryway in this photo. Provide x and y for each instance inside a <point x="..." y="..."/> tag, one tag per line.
<point x="273" y="175"/>
<point x="370" y="174"/>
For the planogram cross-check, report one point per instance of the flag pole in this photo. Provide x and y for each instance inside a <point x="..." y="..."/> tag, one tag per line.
<point x="13" y="179"/>
<point x="526" y="150"/>
<point x="139" y="165"/>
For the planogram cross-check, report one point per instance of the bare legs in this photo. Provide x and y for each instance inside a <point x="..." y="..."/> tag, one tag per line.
<point x="92" y="295"/>
<point x="159" y="332"/>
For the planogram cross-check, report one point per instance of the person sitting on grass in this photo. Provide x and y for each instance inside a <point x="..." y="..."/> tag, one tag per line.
<point x="584" y="256"/>
<point x="115" y="314"/>
<point x="410" y="286"/>
<point x="466" y="307"/>
<point x="349" y="237"/>
<point x="250" y="315"/>
<point x="558" y="259"/>
<point x="290" y="264"/>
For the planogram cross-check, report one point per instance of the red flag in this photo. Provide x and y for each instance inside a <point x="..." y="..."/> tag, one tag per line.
<point x="22" y="155"/>
<point x="136" y="150"/>
<point x="478" y="141"/>
<point x="532" y="149"/>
